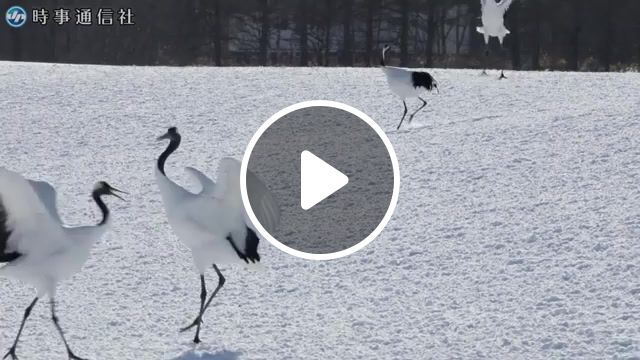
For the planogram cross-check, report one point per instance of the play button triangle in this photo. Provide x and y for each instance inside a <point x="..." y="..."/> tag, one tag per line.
<point x="318" y="180"/>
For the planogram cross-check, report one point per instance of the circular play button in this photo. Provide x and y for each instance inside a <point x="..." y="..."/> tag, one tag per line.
<point x="333" y="173"/>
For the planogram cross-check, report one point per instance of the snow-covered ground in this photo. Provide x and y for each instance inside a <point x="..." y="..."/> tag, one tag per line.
<point x="517" y="232"/>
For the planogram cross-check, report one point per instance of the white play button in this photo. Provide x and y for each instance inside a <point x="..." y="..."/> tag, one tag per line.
<point x="318" y="180"/>
<point x="300" y="155"/>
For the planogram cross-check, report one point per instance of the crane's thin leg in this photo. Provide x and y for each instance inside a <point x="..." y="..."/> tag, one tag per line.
<point x="27" y="312"/>
<point x="502" y="71"/>
<point x="403" y="115"/>
<point x="484" y="60"/>
<point x="486" y="55"/>
<point x="203" y="298"/>
<point x="424" y="103"/>
<point x="221" y="281"/>
<point x="72" y="356"/>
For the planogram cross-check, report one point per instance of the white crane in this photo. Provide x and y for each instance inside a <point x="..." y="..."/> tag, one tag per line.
<point x="213" y="223"/>
<point x="406" y="83"/>
<point x="36" y="246"/>
<point x="493" y="24"/>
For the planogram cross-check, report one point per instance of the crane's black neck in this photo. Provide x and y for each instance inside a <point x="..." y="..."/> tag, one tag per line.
<point x="103" y="207"/>
<point x="173" y="145"/>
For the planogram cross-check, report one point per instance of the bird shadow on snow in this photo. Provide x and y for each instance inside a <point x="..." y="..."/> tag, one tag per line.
<point x="203" y="355"/>
<point x="410" y="128"/>
<point x="425" y="126"/>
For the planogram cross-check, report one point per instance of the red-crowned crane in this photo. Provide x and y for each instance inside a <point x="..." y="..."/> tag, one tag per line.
<point x="493" y="24"/>
<point x="406" y="84"/>
<point x="213" y="223"/>
<point x="36" y="247"/>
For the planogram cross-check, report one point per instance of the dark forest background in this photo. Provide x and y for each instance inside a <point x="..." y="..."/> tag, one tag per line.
<point x="588" y="35"/>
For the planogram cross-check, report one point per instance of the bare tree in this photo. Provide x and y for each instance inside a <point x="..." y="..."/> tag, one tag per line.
<point x="347" y="35"/>
<point x="574" y="42"/>
<point x="514" y="18"/>
<point x="537" y="21"/>
<point x="404" y="32"/>
<point x="636" y="15"/>
<point x="442" y="23"/>
<point x="265" y="31"/>
<point x="327" y="27"/>
<point x="303" y="32"/>
<point x="217" y="30"/>
<point x="460" y="33"/>
<point x="608" y="36"/>
<point x="371" y="6"/>
<point x="431" y="31"/>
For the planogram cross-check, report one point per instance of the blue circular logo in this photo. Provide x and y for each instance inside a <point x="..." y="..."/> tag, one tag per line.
<point x="16" y="16"/>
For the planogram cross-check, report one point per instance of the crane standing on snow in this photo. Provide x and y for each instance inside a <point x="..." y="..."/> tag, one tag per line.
<point x="493" y="24"/>
<point x="37" y="248"/>
<point x="213" y="223"/>
<point x="406" y="83"/>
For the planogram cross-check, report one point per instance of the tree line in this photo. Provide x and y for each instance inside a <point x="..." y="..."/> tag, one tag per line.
<point x="591" y="35"/>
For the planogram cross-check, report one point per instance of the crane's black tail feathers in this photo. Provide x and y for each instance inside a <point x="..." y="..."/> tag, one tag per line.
<point x="423" y="79"/>
<point x="250" y="253"/>
<point x="251" y="246"/>
<point x="5" y="256"/>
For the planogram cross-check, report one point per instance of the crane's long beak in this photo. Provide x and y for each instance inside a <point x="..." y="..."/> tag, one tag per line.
<point x="163" y="137"/>
<point x="114" y="191"/>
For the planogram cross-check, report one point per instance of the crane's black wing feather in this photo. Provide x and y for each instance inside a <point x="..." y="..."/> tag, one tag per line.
<point x="251" y="246"/>
<point x="5" y="232"/>
<point x="250" y="253"/>
<point x="422" y="79"/>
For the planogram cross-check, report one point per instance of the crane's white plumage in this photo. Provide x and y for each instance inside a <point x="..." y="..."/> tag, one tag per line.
<point x="50" y="252"/>
<point x="207" y="185"/>
<point x="493" y="19"/>
<point x="400" y="82"/>
<point x="213" y="223"/>
<point x="28" y="220"/>
<point x="36" y="246"/>
<point x="204" y="220"/>
<point x="264" y="204"/>
<point x="48" y="197"/>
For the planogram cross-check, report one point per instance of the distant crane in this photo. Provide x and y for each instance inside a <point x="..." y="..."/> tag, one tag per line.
<point x="37" y="248"/>
<point x="493" y="24"/>
<point x="213" y="223"/>
<point x="406" y="83"/>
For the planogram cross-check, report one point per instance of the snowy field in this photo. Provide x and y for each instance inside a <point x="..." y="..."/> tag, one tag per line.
<point x="516" y="236"/>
